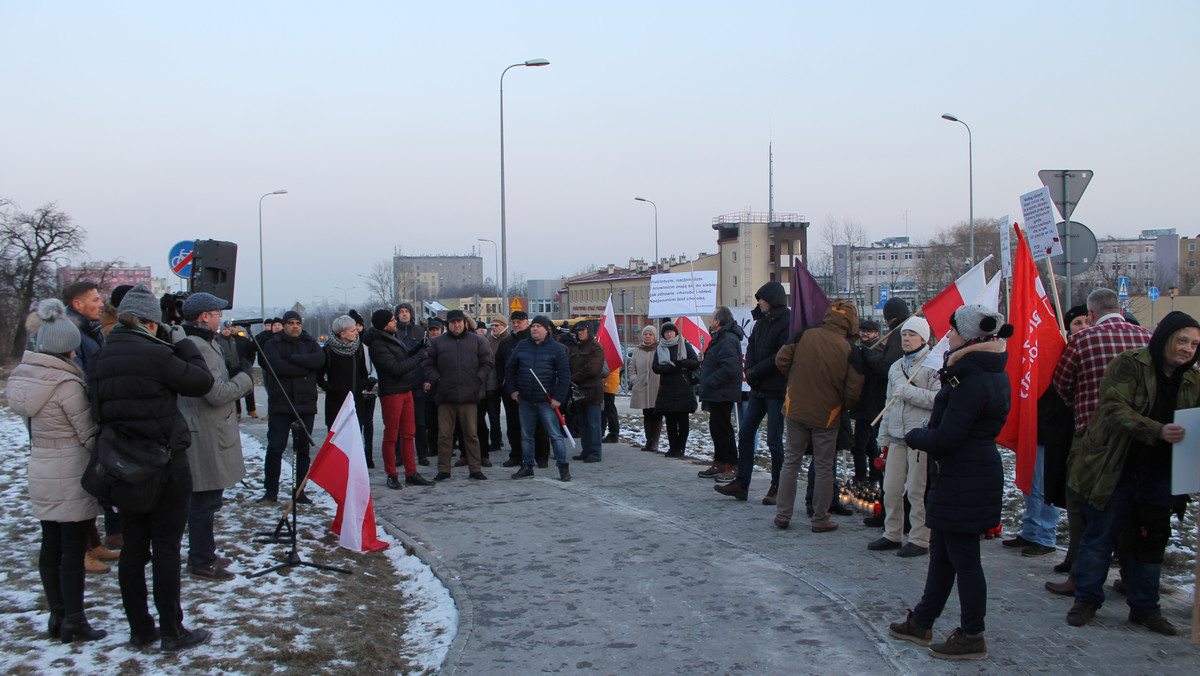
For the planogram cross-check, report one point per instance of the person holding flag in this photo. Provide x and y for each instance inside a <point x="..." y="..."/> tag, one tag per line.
<point x="538" y="377"/>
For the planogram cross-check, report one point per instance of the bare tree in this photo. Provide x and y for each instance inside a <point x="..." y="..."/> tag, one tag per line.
<point x="381" y="287"/>
<point x="30" y="244"/>
<point x="849" y="233"/>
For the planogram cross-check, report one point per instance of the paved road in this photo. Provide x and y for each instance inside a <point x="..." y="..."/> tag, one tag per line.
<point x="637" y="566"/>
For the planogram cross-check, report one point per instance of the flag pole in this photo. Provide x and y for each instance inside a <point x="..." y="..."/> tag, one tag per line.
<point x="561" y="419"/>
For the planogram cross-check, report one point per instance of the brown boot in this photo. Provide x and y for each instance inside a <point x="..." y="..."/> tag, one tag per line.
<point x="93" y="565"/>
<point x="652" y="434"/>
<point x="103" y="553"/>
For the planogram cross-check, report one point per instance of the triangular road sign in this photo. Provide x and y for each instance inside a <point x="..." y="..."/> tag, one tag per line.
<point x="1065" y="197"/>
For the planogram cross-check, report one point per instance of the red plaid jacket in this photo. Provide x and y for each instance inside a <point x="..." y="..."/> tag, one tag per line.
<point x="1077" y="376"/>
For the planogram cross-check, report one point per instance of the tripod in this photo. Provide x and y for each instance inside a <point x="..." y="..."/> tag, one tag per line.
<point x="285" y="532"/>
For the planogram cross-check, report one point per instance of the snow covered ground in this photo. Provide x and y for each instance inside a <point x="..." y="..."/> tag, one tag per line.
<point x="391" y="615"/>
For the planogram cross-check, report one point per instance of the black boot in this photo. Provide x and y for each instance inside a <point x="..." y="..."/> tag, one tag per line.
<point x="52" y="585"/>
<point x="75" y="626"/>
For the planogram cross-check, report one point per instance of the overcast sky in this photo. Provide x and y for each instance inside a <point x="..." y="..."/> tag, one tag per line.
<point x="156" y="122"/>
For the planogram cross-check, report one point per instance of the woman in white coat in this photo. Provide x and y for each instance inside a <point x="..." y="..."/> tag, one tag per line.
<point x="644" y="388"/>
<point x="47" y="388"/>
<point x="906" y="468"/>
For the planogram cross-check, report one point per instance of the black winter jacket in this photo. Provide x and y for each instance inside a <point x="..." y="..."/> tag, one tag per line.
<point x="458" y="367"/>
<point x="549" y="360"/>
<point x="771" y="331"/>
<point x="965" y="489"/>
<point x="675" y="391"/>
<point x="295" y="362"/>
<point x="340" y="375"/>
<point x="399" y="370"/>
<point x="135" y="382"/>
<point x="721" y="370"/>
<point x="504" y="350"/>
<point x="877" y="362"/>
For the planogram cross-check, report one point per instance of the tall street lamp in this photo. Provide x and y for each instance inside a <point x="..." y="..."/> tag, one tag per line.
<point x="496" y="251"/>
<point x="262" y="294"/>
<point x="345" y="295"/>
<point x="503" y="230"/>
<point x="970" y="177"/>
<point x="643" y="199"/>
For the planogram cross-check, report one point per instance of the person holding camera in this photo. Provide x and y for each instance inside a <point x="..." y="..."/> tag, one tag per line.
<point x="134" y="384"/>
<point x="216" y="458"/>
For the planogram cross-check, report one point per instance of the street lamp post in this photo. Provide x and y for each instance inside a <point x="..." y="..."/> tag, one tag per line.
<point x="970" y="177"/>
<point x="262" y="294"/>
<point x="643" y="199"/>
<point x="345" y="295"/>
<point x="496" y="251"/>
<point x="503" y="230"/>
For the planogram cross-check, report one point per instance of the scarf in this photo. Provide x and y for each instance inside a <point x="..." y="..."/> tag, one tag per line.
<point x="663" y="351"/>
<point x="648" y="348"/>
<point x="341" y="347"/>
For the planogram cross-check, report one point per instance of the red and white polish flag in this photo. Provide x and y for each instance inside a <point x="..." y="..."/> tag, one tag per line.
<point x="609" y="339"/>
<point x="341" y="469"/>
<point x="694" y="333"/>
<point x="965" y="289"/>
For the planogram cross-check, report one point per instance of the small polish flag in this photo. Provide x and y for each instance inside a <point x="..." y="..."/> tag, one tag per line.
<point x="964" y="290"/>
<point x="989" y="297"/>
<point x="341" y="469"/>
<point x="693" y="333"/>
<point x="609" y="340"/>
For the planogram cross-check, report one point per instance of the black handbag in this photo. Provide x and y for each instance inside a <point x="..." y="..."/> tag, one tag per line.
<point x="126" y="472"/>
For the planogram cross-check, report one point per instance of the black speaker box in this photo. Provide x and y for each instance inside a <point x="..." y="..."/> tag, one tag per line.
<point x="213" y="265"/>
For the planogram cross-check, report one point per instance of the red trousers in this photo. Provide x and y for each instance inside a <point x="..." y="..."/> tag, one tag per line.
<point x="399" y="422"/>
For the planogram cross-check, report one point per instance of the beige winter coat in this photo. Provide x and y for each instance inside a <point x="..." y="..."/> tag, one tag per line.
<point x="49" y="392"/>
<point x="644" y="390"/>
<point x="915" y="401"/>
<point x="216" y="452"/>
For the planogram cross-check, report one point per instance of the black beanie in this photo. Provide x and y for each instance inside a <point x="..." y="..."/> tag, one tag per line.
<point x="895" y="309"/>
<point x="380" y="319"/>
<point x="1174" y="321"/>
<point x="544" y="321"/>
<point x="353" y="314"/>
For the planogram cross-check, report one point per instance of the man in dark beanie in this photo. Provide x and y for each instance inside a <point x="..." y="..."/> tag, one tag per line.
<point x="538" y="377"/>
<point x="1122" y="468"/>
<point x="518" y="331"/>
<point x="877" y="361"/>
<point x="458" y="364"/>
<point x="292" y="360"/>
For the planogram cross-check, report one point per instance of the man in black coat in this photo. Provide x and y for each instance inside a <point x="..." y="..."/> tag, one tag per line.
<point x="720" y="390"/>
<point x="768" y="387"/>
<point x="458" y="364"/>
<point x="518" y="322"/>
<point x="292" y="358"/>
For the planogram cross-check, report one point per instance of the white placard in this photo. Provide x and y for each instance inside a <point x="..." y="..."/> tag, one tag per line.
<point x="683" y="293"/>
<point x="1185" y="455"/>
<point x="1006" y="248"/>
<point x="1038" y="211"/>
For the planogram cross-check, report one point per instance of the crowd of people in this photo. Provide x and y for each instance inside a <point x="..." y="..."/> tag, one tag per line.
<point x="132" y="368"/>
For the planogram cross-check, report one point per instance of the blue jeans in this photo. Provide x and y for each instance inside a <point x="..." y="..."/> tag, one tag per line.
<point x="1100" y="540"/>
<point x="588" y="418"/>
<point x="531" y="414"/>
<point x="756" y="409"/>
<point x="279" y="427"/>
<point x="202" y="546"/>
<point x="1040" y="521"/>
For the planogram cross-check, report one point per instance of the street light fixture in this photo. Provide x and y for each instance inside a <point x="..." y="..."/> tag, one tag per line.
<point x="262" y="294"/>
<point x="345" y="294"/>
<point x="643" y="199"/>
<point x="970" y="177"/>
<point x="503" y="230"/>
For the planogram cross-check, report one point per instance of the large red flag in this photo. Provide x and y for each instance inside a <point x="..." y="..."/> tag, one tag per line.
<point x="609" y="340"/>
<point x="1033" y="352"/>
<point x="963" y="291"/>
<point x="341" y="469"/>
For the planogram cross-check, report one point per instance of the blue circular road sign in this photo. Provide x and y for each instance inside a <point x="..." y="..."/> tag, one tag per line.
<point x="1152" y="294"/>
<point x="180" y="259"/>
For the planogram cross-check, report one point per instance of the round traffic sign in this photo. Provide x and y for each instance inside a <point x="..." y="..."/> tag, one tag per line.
<point x="180" y="259"/>
<point x="1152" y="294"/>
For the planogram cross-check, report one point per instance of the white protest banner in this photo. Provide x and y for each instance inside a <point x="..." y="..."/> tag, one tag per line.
<point x="1040" y="226"/>
<point x="744" y="318"/>
<point x="1006" y="248"/>
<point x="683" y="293"/>
<point x="1185" y="455"/>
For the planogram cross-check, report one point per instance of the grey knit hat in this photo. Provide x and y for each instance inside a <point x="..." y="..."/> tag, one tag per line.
<point x="976" y="321"/>
<point x="142" y="304"/>
<point x="58" y="334"/>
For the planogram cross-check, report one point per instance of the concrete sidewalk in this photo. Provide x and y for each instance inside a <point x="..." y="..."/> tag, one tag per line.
<point x="638" y="566"/>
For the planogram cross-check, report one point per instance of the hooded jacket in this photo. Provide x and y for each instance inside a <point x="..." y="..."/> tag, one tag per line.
<point x="965" y="488"/>
<point x="1122" y="418"/>
<point x="458" y="368"/>
<point x="91" y="339"/>
<point x="914" y="399"/>
<point x="823" y="369"/>
<point x="216" y="456"/>
<point x="49" y="392"/>
<point x="721" y="370"/>
<point x="295" y="362"/>
<point x="399" y="370"/>
<point x="587" y="363"/>
<point x="770" y="333"/>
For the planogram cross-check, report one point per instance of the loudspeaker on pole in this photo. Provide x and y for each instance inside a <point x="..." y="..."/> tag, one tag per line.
<point x="213" y="265"/>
